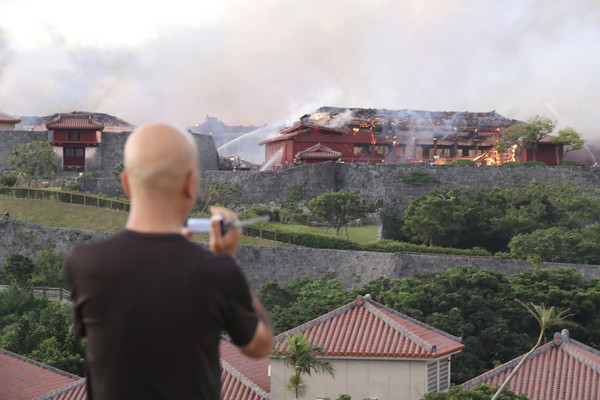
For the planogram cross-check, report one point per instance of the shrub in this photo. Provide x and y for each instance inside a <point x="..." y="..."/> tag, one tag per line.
<point x="512" y="164"/>
<point x="569" y="163"/>
<point x="463" y="161"/>
<point x="8" y="179"/>
<point x="257" y="211"/>
<point x="534" y="164"/>
<point x="72" y="187"/>
<point x="418" y="178"/>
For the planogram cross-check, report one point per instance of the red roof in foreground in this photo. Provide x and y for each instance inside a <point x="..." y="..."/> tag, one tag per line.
<point x="24" y="379"/>
<point x="9" y="118"/>
<point x="365" y="328"/>
<point x="319" y="152"/>
<point x="243" y="378"/>
<point x="563" y="369"/>
<point x="74" y="121"/>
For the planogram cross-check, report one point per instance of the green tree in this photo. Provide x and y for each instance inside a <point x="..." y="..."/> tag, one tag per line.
<point x="546" y="317"/>
<point x="19" y="268"/>
<point x="569" y="139"/>
<point x="302" y="358"/>
<point x="479" y="392"/>
<point x="33" y="160"/>
<point x="221" y="193"/>
<point x="302" y="300"/>
<point x="531" y="133"/>
<point x="49" y="270"/>
<point x="558" y="244"/>
<point x="339" y="208"/>
<point x="438" y="218"/>
<point x="40" y="330"/>
<point x="467" y="303"/>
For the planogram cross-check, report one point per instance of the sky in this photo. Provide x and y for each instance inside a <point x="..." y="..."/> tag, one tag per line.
<point x="271" y="61"/>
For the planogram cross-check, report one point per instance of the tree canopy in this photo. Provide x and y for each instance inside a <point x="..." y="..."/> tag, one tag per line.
<point x="338" y="208"/>
<point x="531" y="133"/>
<point x="569" y="139"/>
<point x="466" y="302"/>
<point x="513" y="220"/>
<point x="34" y="160"/>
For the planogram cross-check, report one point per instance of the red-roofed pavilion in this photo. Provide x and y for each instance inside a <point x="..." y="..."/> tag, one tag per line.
<point x="377" y="352"/>
<point x="76" y="135"/>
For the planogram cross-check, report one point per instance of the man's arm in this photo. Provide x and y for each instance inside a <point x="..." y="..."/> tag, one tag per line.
<point x="262" y="341"/>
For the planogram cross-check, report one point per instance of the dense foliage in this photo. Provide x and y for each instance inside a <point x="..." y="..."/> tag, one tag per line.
<point x="39" y="330"/>
<point x="34" y="160"/>
<point x="475" y="305"/>
<point x="33" y="327"/>
<point x="538" y="222"/>
<point x="479" y="392"/>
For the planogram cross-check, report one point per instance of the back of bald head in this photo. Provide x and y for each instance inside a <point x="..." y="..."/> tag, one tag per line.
<point x="158" y="158"/>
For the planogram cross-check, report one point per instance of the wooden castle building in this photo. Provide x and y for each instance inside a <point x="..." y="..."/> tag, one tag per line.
<point x="404" y="136"/>
<point x="75" y="137"/>
<point x="8" y="122"/>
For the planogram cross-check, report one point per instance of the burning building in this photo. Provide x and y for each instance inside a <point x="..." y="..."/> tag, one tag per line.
<point x="402" y="136"/>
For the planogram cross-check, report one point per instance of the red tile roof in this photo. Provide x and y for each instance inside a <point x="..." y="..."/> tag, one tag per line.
<point x="24" y="379"/>
<point x="563" y="369"/>
<point x="243" y="378"/>
<point x="9" y="118"/>
<point x="74" y="121"/>
<point x="365" y="328"/>
<point x="320" y="152"/>
<point x="286" y="134"/>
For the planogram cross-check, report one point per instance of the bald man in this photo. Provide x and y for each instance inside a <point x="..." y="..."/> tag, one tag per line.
<point x="150" y="303"/>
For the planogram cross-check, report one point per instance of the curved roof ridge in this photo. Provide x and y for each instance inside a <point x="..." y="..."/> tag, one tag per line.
<point x="245" y="381"/>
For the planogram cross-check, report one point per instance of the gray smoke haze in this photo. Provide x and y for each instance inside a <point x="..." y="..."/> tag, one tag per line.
<point x="272" y="61"/>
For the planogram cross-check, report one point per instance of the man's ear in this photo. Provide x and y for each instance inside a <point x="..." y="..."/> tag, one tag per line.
<point x="125" y="183"/>
<point x="191" y="185"/>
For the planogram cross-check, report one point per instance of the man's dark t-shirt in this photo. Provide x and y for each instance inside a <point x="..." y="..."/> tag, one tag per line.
<point x="152" y="307"/>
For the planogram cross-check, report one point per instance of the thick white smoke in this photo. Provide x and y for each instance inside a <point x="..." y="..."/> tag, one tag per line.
<point x="264" y="61"/>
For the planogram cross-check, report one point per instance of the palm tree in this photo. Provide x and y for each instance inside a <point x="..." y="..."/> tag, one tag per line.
<point x="303" y="358"/>
<point x="546" y="317"/>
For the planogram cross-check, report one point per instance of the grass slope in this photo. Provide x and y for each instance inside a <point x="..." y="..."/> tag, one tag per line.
<point x="74" y="216"/>
<point x="359" y="234"/>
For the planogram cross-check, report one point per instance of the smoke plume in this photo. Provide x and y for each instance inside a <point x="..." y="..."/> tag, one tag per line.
<point x="272" y="61"/>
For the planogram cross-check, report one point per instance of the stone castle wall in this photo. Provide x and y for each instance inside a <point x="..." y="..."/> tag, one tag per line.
<point x="102" y="160"/>
<point x="280" y="264"/>
<point x="383" y="181"/>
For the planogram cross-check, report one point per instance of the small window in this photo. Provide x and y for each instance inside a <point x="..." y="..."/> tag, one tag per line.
<point x="74" y="135"/>
<point x="79" y="152"/>
<point x="69" y="152"/>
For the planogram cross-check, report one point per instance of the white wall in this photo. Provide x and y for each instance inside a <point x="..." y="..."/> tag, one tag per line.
<point x="381" y="379"/>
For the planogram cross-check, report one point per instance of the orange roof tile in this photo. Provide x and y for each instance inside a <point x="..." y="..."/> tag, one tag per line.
<point x="365" y="328"/>
<point x="243" y="378"/>
<point x="74" y="121"/>
<point x="318" y="151"/>
<point x="562" y="369"/>
<point x="9" y="118"/>
<point x="23" y="379"/>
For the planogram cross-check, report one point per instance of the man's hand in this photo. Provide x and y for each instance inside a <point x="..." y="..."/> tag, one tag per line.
<point x="228" y="243"/>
